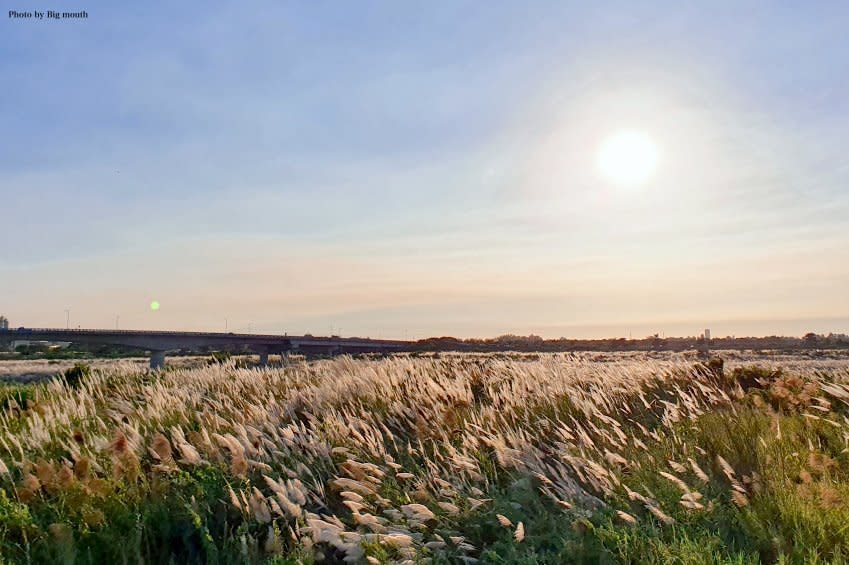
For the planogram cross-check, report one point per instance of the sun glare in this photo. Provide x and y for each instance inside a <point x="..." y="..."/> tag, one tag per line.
<point x="628" y="158"/>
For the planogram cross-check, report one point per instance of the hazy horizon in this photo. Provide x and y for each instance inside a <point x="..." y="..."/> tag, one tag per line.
<point x="718" y="328"/>
<point x="455" y="168"/>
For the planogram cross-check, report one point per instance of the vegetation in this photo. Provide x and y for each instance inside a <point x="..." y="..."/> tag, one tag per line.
<point x="75" y="375"/>
<point x="225" y="357"/>
<point x="73" y="351"/>
<point x="815" y="344"/>
<point x="543" y="459"/>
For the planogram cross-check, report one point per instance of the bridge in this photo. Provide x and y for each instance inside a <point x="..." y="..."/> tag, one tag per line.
<point x="158" y="343"/>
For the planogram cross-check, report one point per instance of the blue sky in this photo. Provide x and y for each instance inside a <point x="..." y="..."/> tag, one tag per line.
<point x="393" y="168"/>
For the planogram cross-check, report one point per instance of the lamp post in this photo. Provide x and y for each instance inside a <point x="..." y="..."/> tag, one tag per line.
<point x="67" y="319"/>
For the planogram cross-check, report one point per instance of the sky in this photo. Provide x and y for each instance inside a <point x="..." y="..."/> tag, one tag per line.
<point x="400" y="169"/>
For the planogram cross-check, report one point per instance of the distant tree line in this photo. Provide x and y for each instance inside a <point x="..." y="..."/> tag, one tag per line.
<point x="651" y="343"/>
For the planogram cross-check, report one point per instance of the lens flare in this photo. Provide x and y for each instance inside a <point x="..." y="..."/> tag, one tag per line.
<point x="154" y="306"/>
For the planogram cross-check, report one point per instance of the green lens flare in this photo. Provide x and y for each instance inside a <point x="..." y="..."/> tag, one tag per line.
<point x="154" y="305"/>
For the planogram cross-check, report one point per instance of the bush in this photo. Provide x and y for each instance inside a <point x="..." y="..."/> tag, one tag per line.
<point x="76" y="374"/>
<point x="714" y="366"/>
<point x="753" y="377"/>
<point x="792" y="393"/>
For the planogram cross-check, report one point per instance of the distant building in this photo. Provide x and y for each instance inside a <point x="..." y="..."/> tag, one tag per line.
<point x="4" y="323"/>
<point x="707" y="335"/>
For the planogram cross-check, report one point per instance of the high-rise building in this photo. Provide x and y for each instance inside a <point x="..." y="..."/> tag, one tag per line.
<point x="4" y="323"/>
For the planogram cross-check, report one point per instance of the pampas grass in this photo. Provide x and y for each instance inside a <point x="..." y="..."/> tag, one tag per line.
<point x="390" y="459"/>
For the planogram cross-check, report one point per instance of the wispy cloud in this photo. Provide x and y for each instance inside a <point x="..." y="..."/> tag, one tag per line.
<point x="294" y="166"/>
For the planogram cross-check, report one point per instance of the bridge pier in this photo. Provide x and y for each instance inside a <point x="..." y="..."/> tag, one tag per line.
<point x="157" y="360"/>
<point x="263" y="358"/>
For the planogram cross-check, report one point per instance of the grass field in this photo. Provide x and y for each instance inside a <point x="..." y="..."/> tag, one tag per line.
<point x="498" y="459"/>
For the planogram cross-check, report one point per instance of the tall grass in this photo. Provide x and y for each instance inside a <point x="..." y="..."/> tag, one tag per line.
<point x="452" y="459"/>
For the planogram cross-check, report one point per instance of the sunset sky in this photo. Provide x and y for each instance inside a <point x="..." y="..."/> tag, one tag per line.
<point x="400" y="169"/>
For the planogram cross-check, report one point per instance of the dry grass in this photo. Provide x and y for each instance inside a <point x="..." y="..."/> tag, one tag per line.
<point x="453" y="458"/>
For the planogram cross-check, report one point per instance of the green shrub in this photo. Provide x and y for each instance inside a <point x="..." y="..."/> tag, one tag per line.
<point x="77" y="374"/>
<point x="219" y="357"/>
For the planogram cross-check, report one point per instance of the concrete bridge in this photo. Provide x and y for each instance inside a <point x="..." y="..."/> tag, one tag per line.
<point x="158" y="343"/>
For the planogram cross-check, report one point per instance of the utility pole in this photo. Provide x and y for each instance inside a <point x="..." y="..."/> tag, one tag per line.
<point x="117" y="318"/>
<point x="225" y="325"/>
<point x="67" y="319"/>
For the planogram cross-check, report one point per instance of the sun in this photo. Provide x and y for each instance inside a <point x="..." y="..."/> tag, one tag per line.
<point x="628" y="158"/>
